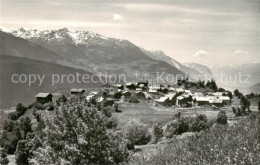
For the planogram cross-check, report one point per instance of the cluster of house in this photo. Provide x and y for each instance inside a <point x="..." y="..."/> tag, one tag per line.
<point x="218" y="99"/>
<point x="156" y="92"/>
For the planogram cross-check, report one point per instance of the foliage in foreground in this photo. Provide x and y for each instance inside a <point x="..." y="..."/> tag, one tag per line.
<point x="237" y="144"/>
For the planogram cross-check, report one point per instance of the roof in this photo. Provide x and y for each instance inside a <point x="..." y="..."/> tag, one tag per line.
<point x="202" y="99"/>
<point x="162" y="99"/>
<point x="129" y="83"/>
<point x="43" y="94"/>
<point x="77" y="90"/>
<point x="220" y="101"/>
<point x="226" y="98"/>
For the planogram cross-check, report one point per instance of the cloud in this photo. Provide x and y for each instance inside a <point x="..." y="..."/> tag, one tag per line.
<point x="118" y="17"/>
<point x="201" y="53"/>
<point x="240" y="52"/>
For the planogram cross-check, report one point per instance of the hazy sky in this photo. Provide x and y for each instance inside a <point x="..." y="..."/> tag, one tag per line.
<point x="212" y="32"/>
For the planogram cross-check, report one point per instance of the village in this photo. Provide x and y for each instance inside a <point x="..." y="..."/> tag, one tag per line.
<point x="176" y="95"/>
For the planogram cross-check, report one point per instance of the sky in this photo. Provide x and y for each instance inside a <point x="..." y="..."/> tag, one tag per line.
<point x="210" y="32"/>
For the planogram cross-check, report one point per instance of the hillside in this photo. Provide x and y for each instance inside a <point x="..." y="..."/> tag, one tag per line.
<point x="92" y="51"/>
<point x="202" y="69"/>
<point x="14" y="46"/>
<point x="161" y="56"/>
<point x="12" y="93"/>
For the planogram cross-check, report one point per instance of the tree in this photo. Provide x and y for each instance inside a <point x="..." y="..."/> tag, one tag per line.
<point x="3" y="159"/>
<point x="259" y="105"/>
<point x="236" y="92"/>
<point x="77" y="135"/>
<point x="199" y="123"/>
<point x="222" y="118"/>
<point x="157" y="131"/>
<point x="117" y="95"/>
<point x="221" y="90"/>
<point x="245" y="103"/>
<point x="25" y="126"/>
<point x="22" y="153"/>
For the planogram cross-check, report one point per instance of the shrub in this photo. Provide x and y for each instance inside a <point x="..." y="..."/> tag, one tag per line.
<point x="61" y="99"/>
<point x="157" y="131"/>
<point x="22" y="153"/>
<point x="137" y="135"/>
<point x="177" y="127"/>
<point x="9" y="126"/>
<point x="108" y="103"/>
<point x="13" y="116"/>
<point x="39" y="106"/>
<point x="117" y="95"/>
<point x="199" y="123"/>
<point x="50" y="106"/>
<point x="133" y="100"/>
<point x="3" y="157"/>
<point x="107" y="112"/>
<point x="222" y="118"/>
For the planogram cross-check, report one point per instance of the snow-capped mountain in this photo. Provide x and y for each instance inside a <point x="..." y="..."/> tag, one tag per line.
<point x="94" y="52"/>
<point x="64" y="35"/>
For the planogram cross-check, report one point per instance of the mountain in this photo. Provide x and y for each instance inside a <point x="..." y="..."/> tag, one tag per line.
<point x="244" y="77"/>
<point x="14" y="46"/>
<point x="161" y="56"/>
<point x="11" y="92"/>
<point x="94" y="52"/>
<point x="202" y="69"/>
<point x="255" y="88"/>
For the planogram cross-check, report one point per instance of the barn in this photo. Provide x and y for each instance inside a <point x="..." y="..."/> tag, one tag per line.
<point x="43" y="98"/>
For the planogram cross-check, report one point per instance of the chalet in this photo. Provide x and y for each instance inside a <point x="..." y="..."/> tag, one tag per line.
<point x="130" y="86"/>
<point x="43" y="98"/>
<point x="163" y="100"/>
<point x="226" y="100"/>
<point x="154" y="89"/>
<point x="217" y="102"/>
<point x="108" y="89"/>
<point x="143" y="82"/>
<point x="76" y="91"/>
<point x="120" y="86"/>
<point x="202" y="100"/>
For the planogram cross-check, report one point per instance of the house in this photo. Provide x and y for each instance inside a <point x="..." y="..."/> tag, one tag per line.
<point x="76" y="91"/>
<point x="120" y="86"/>
<point x="217" y="102"/>
<point x="130" y="86"/>
<point x="226" y="100"/>
<point x="143" y="82"/>
<point x="154" y="89"/>
<point x="43" y="98"/>
<point x="202" y="100"/>
<point x="108" y="89"/>
<point x="163" y="100"/>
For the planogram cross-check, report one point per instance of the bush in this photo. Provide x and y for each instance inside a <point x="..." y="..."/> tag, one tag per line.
<point x="137" y="135"/>
<point x="9" y="126"/>
<point x="133" y="100"/>
<point x="107" y="112"/>
<point x="222" y="118"/>
<point x="177" y="127"/>
<point x="157" y="131"/>
<point x="3" y="159"/>
<point x="199" y="123"/>
<point x="13" y="116"/>
<point x="117" y="95"/>
<point x="50" y="106"/>
<point x="39" y="106"/>
<point x="61" y="99"/>
<point x="108" y="103"/>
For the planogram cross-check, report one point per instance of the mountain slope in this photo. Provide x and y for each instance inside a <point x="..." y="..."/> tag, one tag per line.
<point x="202" y="69"/>
<point x="159" y="55"/>
<point x="14" y="46"/>
<point x="11" y="93"/>
<point x="91" y="51"/>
